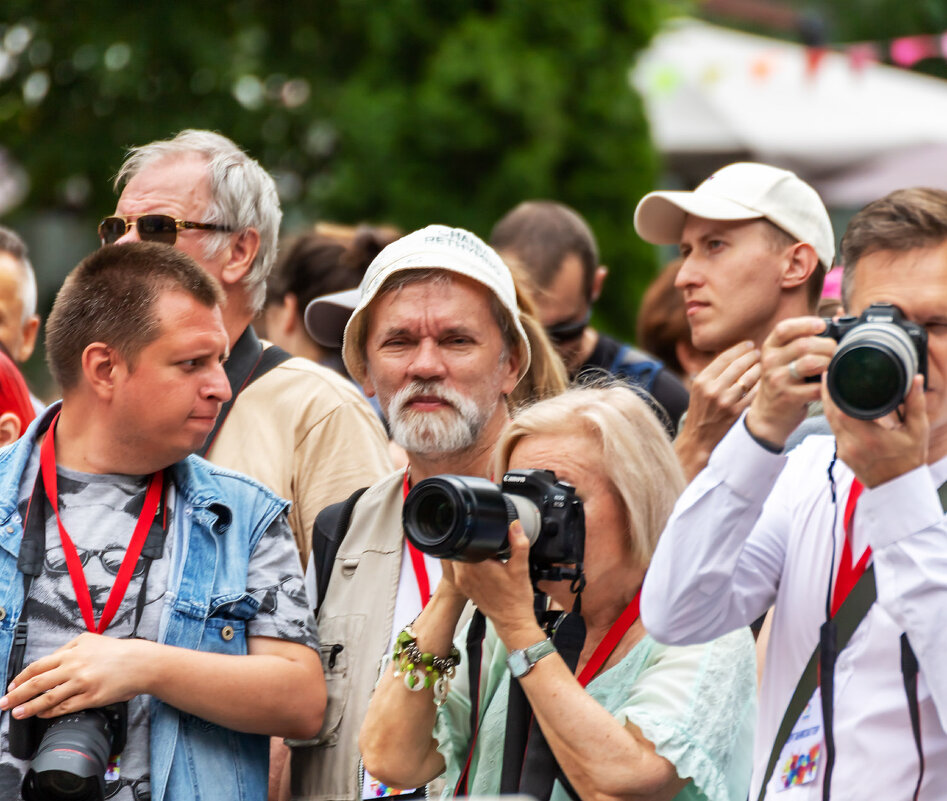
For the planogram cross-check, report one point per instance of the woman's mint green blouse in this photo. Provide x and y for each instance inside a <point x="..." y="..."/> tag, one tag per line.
<point x="697" y="704"/>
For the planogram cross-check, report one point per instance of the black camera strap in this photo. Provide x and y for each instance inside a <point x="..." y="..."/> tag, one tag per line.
<point x="530" y="768"/>
<point x="247" y="362"/>
<point x="820" y="672"/>
<point x="529" y="765"/>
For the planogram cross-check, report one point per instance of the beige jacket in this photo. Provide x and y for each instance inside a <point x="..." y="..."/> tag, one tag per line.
<point x="355" y="622"/>
<point x="306" y="433"/>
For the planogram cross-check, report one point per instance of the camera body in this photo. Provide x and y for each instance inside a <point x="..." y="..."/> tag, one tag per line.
<point x="467" y="518"/>
<point x="69" y="753"/>
<point x="878" y="356"/>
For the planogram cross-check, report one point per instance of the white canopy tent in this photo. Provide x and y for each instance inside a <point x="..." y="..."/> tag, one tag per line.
<point x="856" y="132"/>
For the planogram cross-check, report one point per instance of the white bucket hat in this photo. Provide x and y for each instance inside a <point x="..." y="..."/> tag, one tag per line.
<point x="742" y="191"/>
<point x="435" y="247"/>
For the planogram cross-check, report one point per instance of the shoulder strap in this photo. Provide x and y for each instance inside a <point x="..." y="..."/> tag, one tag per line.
<point x="849" y="615"/>
<point x="248" y="361"/>
<point x="909" y="671"/>
<point x="328" y="531"/>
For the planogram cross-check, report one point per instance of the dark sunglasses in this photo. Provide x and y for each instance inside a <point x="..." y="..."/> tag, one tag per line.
<point x="561" y="333"/>
<point x="152" y="228"/>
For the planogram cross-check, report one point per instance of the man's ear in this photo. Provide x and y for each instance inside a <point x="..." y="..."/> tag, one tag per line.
<point x="368" y="386"/>
<point x="242" y="253"/>
<point x="291" y="315"/>
<point x="801" y="262"/>
<point x="30" y="330"/>
<point x="101" y="365"/>
<point x="598" y="281"/>
<point x="510" y="381"/>
<point x="10" y="428"/>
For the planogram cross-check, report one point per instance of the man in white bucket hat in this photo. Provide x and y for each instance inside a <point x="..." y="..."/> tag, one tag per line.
<point x="435" y="334"/>
<point x="756" y="242"/>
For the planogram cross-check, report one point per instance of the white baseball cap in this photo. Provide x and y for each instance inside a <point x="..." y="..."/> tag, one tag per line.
<point x="435" y="247"/>
<point x="742" y="191"/>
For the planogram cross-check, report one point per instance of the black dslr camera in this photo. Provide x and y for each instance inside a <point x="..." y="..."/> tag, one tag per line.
<point x="879" y="354"/>
<point x="467" y="518"/>
<point x="70" y="753"/>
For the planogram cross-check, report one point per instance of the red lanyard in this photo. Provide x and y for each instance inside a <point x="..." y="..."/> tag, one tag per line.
<point x="74" y="563"/>
<point x="848" y="574"/>
<point x="611" y="639"/>
<point x="417" y="562"/>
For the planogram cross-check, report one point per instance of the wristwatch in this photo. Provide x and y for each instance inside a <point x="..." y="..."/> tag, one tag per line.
<point x="521" y="662"/>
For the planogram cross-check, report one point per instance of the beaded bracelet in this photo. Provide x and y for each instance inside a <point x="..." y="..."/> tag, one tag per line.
<point x="423" y="670"/>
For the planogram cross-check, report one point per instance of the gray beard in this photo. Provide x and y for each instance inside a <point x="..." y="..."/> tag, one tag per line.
<point x="449" y="430"/>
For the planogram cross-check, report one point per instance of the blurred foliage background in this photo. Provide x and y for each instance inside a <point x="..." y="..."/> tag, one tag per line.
<point x="403" y="111"/>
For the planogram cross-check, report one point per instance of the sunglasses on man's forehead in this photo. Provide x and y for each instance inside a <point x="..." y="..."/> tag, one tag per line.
<point x="152" y="228"/>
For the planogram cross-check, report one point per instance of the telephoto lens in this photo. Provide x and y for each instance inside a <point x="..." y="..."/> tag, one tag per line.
<point x="465" y="518"/>
<point x="876" y="361"/>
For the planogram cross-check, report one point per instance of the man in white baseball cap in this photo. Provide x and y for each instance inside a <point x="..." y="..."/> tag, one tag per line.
<point x="435" y="334"/>
<point x="756" y="242"/>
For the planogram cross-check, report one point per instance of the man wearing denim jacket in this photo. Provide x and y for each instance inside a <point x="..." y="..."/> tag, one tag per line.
<point x="161" y="580"/>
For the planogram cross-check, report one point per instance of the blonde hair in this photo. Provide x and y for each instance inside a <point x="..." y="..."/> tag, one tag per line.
<point x="633" y="449"/>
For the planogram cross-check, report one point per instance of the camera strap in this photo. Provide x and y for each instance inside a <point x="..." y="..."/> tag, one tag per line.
<point x="529" y="766"/>
<point x="152" y="521"/>
<point x="850" y="600"/>
<point x="417" y="559"/>
<point x="247" y="362"/>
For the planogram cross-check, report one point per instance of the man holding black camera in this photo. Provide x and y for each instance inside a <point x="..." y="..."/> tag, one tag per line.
<point x="846" y="535"/>
<point x="156" y="626"/>
<point x="436" y="335"/>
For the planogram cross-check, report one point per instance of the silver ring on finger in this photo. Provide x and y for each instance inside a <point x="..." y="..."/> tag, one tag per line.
<point x="793" y="371"/>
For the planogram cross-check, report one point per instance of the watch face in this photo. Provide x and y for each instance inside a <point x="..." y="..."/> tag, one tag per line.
<point x="518" y="663"/>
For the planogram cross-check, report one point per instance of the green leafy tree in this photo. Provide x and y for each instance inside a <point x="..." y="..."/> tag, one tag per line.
<point x="407" y="111"/>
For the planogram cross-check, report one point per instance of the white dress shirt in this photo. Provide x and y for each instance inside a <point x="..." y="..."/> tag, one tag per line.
<point x="756" y="529"/>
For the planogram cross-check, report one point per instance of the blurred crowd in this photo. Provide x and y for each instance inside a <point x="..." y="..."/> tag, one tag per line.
<point x="368" y="512"/>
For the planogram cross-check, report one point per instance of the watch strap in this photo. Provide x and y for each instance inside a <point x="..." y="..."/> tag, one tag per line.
<point x="521" y="661"/>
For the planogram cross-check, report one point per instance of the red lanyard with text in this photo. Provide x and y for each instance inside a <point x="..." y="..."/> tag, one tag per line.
<point x="417" y="561"/>
<point x="611" y="639"/>
<point x="74" y="563"/>
<point x="848" y="573"/>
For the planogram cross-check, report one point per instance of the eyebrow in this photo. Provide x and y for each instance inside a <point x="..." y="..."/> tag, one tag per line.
<point x="403" y="330"/>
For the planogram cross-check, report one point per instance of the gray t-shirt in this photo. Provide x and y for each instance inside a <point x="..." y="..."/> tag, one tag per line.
<point x="100" y="512"/>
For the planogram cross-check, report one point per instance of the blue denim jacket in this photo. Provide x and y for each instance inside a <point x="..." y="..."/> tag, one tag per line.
<point x="219" y="518"/>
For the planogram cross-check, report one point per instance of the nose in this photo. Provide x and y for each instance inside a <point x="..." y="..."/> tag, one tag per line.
<point x="130" y="235"/>
<point x="217" y="387"/>
<point x="427" y="361"/>
<point x="688" y="274"/>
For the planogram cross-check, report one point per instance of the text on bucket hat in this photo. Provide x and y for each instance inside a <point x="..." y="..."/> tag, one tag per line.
<point x="437" y="247"/>
<point x="742" y="191"/>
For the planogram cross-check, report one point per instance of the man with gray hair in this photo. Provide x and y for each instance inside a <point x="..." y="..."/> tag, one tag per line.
<point x="436" y="335"/>
<point x="295" y="426"/>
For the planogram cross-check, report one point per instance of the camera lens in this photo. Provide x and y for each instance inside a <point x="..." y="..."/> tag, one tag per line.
<point x="457" y="517"/>
<point x="436" y="516"/>
<point x="872" y="370"/>
<point x="71" y="760"/>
